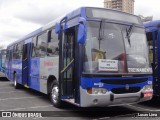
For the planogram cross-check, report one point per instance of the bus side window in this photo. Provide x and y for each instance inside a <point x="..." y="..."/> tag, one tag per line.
<point x="52" y="48"/>
<point x="34" y="47"/>
<point x="7" y="55"/>
<point x="10" y="55"/>
<point x="42" y="44"/>
<point x="19" y="51"/>
<point x="15" y="51"/>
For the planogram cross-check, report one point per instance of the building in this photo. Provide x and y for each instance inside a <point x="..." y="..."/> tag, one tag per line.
<point x="145" y="19"/>
<point x="123" y="5"/>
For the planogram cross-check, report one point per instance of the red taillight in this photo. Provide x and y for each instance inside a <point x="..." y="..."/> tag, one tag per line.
<point x="148" y="94"/>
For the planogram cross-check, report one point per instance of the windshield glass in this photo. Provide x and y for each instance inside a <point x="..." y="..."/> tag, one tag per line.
<point x="136" y="49"/>
<point x="113" y="53"/>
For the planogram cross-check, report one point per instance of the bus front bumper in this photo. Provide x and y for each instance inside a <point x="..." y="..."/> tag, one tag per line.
<point x="110" y="99"/>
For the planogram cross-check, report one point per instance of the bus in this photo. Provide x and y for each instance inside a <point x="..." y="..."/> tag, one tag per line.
<point x="153" y="38"/>
<point x="91" y="57"/>
<point x="2" y="62"/>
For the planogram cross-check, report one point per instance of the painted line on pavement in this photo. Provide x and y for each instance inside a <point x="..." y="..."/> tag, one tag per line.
<point x="11" y="92"/>
<point x="40" y="118"/>
<point x="19" y="98"/>
<point x="27" y="108"/>
<point x="5" y="87"/>
<point x="143" y="109"/>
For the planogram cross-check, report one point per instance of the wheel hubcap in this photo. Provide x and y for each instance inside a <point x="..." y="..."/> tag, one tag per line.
<point x="55" y="91"/>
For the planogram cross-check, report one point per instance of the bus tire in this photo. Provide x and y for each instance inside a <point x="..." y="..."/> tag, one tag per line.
<point x="16" y="85"/>
<point x="54" y="95"/>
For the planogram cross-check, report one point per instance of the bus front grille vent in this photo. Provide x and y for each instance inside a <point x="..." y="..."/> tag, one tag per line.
<point x="124" y="81"/>
<point x="125" y="90"/>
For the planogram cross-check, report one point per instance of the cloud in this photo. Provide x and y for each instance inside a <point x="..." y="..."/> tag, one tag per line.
<point x="20" y="17"/>
<point x="44" y="11"/>
<point x="148" y="8"/>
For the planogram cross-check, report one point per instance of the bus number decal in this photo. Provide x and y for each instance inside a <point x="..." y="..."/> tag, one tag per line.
<point x="139" y="69"/>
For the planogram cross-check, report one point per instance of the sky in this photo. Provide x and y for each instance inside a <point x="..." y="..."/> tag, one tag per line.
<point x="20" y="17"/>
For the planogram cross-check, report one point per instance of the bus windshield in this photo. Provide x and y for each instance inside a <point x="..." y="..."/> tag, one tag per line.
<point x="115" y="52"/>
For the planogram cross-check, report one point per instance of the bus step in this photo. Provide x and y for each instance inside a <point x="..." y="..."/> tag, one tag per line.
<point x="71" y="101"/>
<point x="26" y="86"/>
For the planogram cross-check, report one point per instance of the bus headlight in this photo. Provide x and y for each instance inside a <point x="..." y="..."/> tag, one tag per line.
<point x="97" y="90"/>
<point x="148" y="88"/>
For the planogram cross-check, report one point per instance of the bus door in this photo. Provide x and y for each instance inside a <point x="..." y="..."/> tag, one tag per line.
<point x="67" y="64"/>
<point x="25" y="64"/>
<point x="152" y="38"/>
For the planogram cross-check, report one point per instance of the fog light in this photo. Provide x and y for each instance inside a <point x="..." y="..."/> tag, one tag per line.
<point x="95" y="101"/>
<point x="95" y="90"/>
<point x="103" y="91"/>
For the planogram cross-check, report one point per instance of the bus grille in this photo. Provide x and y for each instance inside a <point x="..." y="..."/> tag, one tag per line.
<point x="124" y="90"/>
<point x="124" y="82"/>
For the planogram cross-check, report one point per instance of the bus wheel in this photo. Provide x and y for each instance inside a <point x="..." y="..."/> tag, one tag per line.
<point x="16" y="85"/>
<point x="54" y="95"/>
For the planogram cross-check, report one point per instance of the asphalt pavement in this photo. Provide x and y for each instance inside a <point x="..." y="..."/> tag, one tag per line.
<point x="25" y="100"/>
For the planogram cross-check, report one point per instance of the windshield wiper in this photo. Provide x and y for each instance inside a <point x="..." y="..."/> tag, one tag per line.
<point x="129" y="32"/>
<point x="101" y="31"/>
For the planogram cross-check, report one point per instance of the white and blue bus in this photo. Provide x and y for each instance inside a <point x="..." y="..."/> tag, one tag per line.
<point x="90" y="57"/>
<point x="2" y="59"/>
<point x="2" y="62"/>
<point x="153" y="38"/>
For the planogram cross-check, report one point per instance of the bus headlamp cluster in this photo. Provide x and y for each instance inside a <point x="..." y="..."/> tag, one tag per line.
<point x="147" y="88"/>
<point x="97" y="90"/>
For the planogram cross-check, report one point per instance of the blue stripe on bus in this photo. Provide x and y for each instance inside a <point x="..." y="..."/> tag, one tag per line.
<point x="93" y="82"/>
<point x="34" y="81"/>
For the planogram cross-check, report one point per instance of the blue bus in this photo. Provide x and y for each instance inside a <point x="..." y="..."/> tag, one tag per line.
<point x="2" y="62"/>
<point x="153" y="38"/>
<point x="90" y="57"/>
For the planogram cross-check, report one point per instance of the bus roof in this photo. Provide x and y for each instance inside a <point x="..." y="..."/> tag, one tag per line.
<point x="152" y="25"/>
<point x="82" y="12"/>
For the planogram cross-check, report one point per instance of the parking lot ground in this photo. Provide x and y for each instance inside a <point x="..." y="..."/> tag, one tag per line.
<point x="25" y="100"/>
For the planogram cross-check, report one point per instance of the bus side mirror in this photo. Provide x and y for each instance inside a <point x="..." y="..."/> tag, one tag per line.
<point x="81" y="34"/>
<point x="57" y="28"/>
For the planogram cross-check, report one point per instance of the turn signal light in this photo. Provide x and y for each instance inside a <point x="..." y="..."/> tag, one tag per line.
<point x="89" y="90"/>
